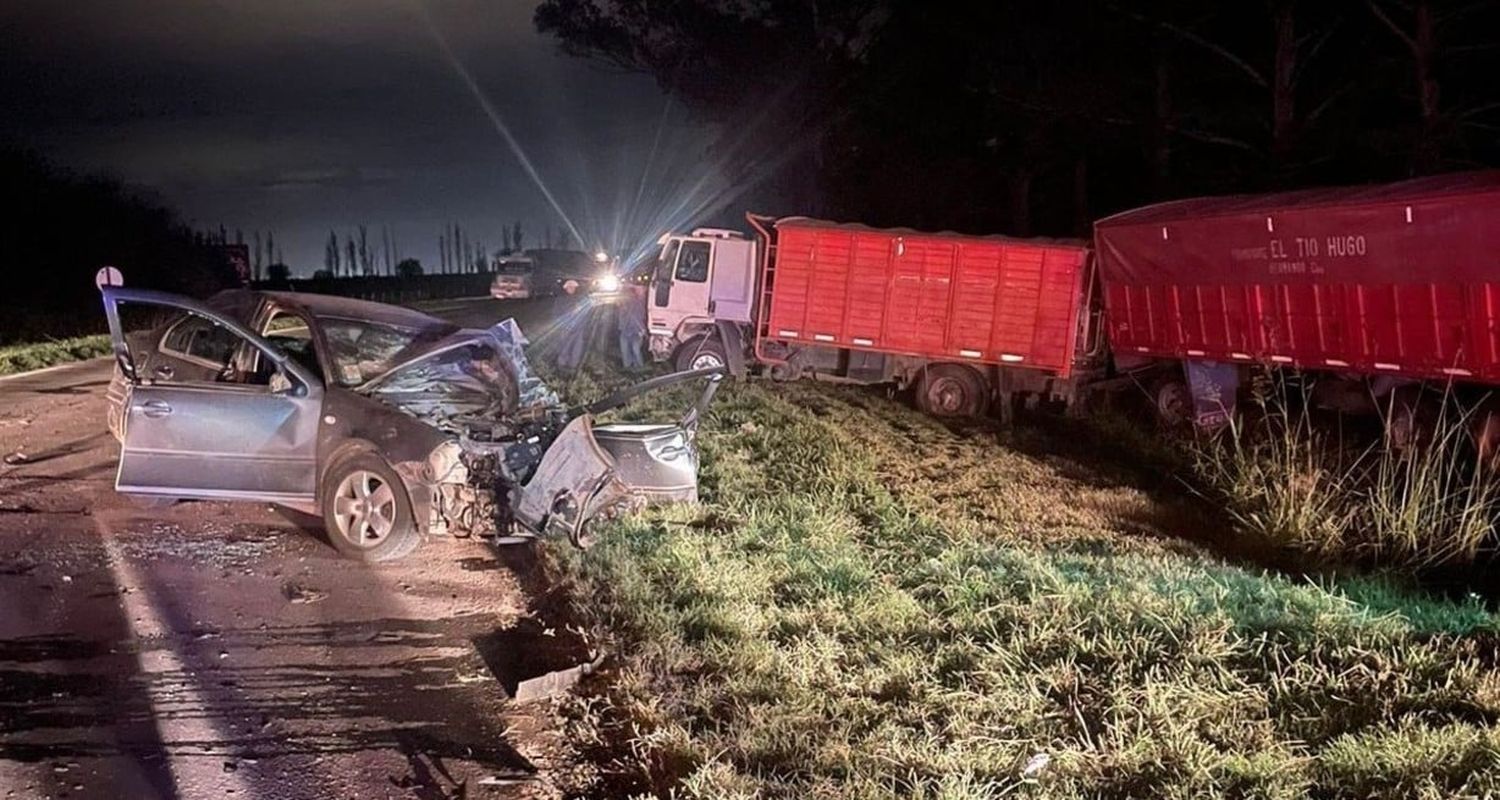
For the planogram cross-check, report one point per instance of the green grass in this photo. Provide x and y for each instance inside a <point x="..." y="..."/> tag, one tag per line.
<point x="1315" y="492"/>
<point x="25" y="357"/>
<point x="868" y="604"/>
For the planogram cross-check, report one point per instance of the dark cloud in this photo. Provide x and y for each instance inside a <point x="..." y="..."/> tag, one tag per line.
<point x="301" y="117"/>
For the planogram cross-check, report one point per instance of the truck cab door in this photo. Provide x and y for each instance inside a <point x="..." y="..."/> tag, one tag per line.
<point x="236" y="434"/>
<point x="682" y="283"/>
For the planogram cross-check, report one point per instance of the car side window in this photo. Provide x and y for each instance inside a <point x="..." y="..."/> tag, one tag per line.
<point x="200" y="339"/>
<point x="692" y="265"/>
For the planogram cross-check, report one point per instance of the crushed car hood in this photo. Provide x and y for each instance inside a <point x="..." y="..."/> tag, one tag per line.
<point x="469" y="374"/>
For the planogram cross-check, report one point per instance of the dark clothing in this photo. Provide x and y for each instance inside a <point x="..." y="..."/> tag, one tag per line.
<point x="632" y="320"/>
<point x="581" y="329"/>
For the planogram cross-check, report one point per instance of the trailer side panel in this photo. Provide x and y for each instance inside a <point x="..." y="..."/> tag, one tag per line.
<point x="1397" y="279"/>
<point x="945" y="297"/>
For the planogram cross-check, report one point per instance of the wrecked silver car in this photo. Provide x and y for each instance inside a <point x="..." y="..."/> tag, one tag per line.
<point x="389" y="423"/>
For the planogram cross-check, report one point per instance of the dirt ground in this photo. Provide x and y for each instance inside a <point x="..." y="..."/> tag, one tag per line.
<point x="214" y="649"/>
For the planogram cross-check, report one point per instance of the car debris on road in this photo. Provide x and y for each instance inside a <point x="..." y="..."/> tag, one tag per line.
<point x="389" y="423"/>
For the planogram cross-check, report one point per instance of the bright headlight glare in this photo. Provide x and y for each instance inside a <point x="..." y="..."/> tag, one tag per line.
<point x="609" y="283"/>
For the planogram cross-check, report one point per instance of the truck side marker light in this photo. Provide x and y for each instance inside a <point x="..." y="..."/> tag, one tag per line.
<point x="1334" y="362"/>
<point x="864" y="342"/>
<point x="1282" y="359"/>
<point x="1139" y="349"/>
<point x="1164" y="233"/>
<point x="1196" y="352"/>
<point x="1009" y="358"/>
<point x="1379" y="365"/>
<point x="1270" y="226"/>
<point x="788" y="334"/>
<point x="1245" y="356"/>
<point x="1463" y="373"/>
<point x="1408" y="215"/>
<point x="970" y="353"/>
<point x="822" y="337"/>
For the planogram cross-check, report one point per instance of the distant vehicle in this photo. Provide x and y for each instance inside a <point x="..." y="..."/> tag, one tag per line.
<point x="389" y="423"/>
<point x="513" y="278"/>
<point x="555" y="267"/>
<point x="1369" y="293"/>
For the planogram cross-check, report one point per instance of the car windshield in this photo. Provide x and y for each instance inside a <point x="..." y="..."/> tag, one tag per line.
<point x="360" y="350"/>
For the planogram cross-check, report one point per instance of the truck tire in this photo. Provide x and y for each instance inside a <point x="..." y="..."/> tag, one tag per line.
<point x="1410" y="417"/>
<point x="700" y="352"/>
<point x="365" y="509"/>
<point x="952" y="390"/>
<point x="1172" y="401"/>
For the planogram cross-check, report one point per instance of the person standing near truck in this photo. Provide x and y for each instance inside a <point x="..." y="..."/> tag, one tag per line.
<point x="631" y="316"/>
<point x="579" y="325"/>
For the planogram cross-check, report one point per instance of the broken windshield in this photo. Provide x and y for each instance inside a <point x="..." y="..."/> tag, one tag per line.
<point x="359" y="350"/>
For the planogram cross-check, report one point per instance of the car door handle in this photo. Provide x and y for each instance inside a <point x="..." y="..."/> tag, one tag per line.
<point x="155" y="408"/>
<point x="164" y="371"/>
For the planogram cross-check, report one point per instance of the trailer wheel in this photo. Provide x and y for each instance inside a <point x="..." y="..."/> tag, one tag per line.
<point x="700" y="353"/>
<point x="1172" y="401"/>
<point x="952" y="390"/>
<point x="1484" y="427"/>
<point x="1410" y="418"/>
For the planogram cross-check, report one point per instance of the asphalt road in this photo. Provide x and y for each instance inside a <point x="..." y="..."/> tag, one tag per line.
<point x="216" y="650"/>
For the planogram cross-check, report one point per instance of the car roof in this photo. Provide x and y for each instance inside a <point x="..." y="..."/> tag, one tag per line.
<point x="324" y="305"/>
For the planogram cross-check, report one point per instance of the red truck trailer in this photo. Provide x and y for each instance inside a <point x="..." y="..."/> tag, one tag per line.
<point x="1370" y="292"/>
<point x="1376" y="287"/>
<point x="963" y="318"/>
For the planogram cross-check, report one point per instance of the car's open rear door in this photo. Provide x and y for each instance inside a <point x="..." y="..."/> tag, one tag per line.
<point x="254" y="437"/>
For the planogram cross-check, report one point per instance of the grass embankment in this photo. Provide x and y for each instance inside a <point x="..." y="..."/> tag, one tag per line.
<point x="25" y="357"/>
<point x="1340" y="499"/>
<point x="868" y="604"/>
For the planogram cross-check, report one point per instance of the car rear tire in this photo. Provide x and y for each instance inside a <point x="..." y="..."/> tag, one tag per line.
<point x="700" y="353"/>
<point x="952" y="390"/>
<point x="366" y="511"/>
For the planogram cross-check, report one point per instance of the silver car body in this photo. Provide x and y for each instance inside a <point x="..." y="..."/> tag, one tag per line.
<point x="481" y="445"/>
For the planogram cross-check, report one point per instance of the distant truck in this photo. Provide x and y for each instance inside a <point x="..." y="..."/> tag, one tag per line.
<point x="513" y="277"/>
<point x="1370" y="294"/>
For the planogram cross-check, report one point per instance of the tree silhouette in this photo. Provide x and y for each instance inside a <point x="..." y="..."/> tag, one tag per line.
<point x="331" y="254"/>
<point x="409" y="268"/>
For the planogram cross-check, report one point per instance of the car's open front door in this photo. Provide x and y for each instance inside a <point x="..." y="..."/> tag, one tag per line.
<point x="239" y="436"/>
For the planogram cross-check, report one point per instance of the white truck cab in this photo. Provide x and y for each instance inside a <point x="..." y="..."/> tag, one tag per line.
<point x="703" y="283"/>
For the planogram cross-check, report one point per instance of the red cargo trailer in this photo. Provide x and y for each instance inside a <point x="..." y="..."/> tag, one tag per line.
<point x="1400" y="280"/>
<point x="964" y="318"/>
<point x="933" y="296"/>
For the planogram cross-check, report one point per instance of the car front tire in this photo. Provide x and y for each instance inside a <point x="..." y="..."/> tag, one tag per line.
<point x="366" y="511"/>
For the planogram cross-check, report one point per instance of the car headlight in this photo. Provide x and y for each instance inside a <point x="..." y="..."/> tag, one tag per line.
<point x="607" y="283"/>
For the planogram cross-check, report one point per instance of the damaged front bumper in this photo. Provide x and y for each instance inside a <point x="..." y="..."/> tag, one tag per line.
<point x="585" y="473"/>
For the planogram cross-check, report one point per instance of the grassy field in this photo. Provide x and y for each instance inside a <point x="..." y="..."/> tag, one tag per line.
<point x="25" y="357"/>
<point x="869" y="604"/>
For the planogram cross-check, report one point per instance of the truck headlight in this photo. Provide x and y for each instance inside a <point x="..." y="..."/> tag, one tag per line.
<point x="607" y="283"/>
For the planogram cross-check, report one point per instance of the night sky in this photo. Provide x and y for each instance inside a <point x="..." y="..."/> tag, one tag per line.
<point x="299" y="117"/>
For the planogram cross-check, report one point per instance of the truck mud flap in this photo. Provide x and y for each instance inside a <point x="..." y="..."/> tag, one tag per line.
<point x="734" y="347"/>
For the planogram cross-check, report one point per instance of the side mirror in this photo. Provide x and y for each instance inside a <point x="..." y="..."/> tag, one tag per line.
<point x="280" y="383"/>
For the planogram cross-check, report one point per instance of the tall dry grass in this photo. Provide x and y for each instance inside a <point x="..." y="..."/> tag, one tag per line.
<point x="1318" y="491"/>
